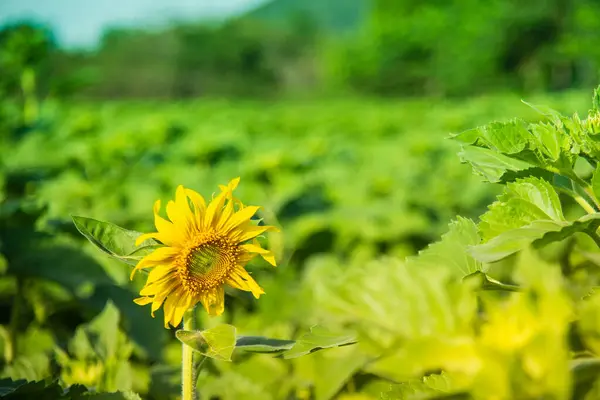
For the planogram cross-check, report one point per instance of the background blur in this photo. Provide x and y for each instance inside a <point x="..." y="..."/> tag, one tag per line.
<point x="334" y="113"/>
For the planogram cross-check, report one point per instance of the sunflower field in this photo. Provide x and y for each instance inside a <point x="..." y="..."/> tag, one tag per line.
<point x="424" y="249"/>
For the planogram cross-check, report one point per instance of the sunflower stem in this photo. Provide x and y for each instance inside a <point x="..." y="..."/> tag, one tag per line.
<point x="188" y="387"/>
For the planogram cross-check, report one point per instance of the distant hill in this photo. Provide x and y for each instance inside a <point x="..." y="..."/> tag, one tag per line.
<point x="334" y="15"/>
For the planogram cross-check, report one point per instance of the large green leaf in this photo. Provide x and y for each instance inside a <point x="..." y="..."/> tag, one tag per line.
<point x="451" y="250"/>
<point x="261" y="344"/>
<point x="39" y="390"/>
<point x="500" y="150"/>
<point x="113" y="240"/>
<point x="523" y="202"/>
<point x="218" y="342"/>
<point x="103" y="331"/>
<point x="491" y="165"/>
<point x="538" y="233"/>
<point x="318" y="338"/>
<point x="435" y="386"/>
<point x="503" y="137"/>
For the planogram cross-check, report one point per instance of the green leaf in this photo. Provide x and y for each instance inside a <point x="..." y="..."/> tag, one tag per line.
<point x="523" y="202"/>
<point x="546" y="111"/>
<point x="260" y="344"/>
<point x="596" y="100"/>
<point x="451" y="250"/>
<point x="39" y="390"/>
<point x="8" y="385"/>
<point x="491" y="165"/>
<point x="218" y="342"/>
<point x="104" y="332"/>
<point x="31" y="367"/>
<point x="538" y="233"/>
<point x="585" y="369"/>
<point x="318" y="338"/>
<point x="435" y="386"/>
<point x="504" y="137"/>
<point x="113" y="240"/>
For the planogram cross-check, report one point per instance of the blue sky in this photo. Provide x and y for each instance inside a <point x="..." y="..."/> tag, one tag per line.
<point x="79" y="23"/>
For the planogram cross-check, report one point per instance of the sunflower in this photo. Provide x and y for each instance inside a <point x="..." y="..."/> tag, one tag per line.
<point x="203" y="248"/>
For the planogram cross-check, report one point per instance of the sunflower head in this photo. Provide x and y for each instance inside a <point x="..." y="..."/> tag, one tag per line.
<point x="203" y="248"/>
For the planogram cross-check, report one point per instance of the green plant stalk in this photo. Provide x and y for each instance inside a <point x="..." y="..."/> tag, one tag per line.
<point x="584" y="204"/>
<point x="586" y="188"/>
<point x="579" y="199"/>
<point x="188" y="391"/>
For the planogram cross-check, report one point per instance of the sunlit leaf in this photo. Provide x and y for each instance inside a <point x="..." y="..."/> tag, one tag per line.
<point x="260" y="344"/>
<point x="451" y="250"/>
<point x="523" y="202"/>
<point x="538" y="233"/>
<point x="435" y="386"/>
<point x="503" y="137"/>
<point x="491" y="165"/>
<point x="318" y="338"/>
<point x="113" y="240"/>
<point x="218" y="342"/>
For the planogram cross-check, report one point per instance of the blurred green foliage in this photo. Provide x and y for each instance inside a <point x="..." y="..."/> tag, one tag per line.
<point x="349" y="181"/>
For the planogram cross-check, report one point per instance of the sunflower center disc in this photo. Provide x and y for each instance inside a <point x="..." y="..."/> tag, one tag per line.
<point x="204" y="259"/>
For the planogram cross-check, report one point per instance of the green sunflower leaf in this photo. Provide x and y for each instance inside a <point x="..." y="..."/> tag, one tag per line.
<point x="43" y="390"/>
<point x="451" y="250"/>
<point x="218" y="342"/>
<point x="318" y="338"/>
<point x="538" y="233"/>
<point x="493" y="166"/>
<point x="113" y="240"/>
<point x="261" y="344"/>
<point x="503" y="151"/>
<point x="523" y="202"/>
<point x="504" y="137"/>
<point x="435" y="386"/>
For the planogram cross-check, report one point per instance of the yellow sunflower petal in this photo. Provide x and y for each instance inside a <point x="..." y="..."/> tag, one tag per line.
<point x="247" y="232"/>
<point x="142" y="238"/>
<point x="169" y="235"/>
<point x="213" y="211"/>
<point x="241" y="279"/>
<point x="266" y="254"/>
<point x="199" y="206"/>
<point x="239" y="218"/>
<point x="169" y="308"/>
<point x="161" y="296"/>
<point x="232" y="185"/>
<point x="213" y="301"/>
<point x="225" y="215"/>
<point x="182" y="306"/>
<point x="142" y="301"/>
<point x="158" y="256"/>
<point x="180" y="214"/>
<point x="157" y="287"/>
<point x="158" y="273"/>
